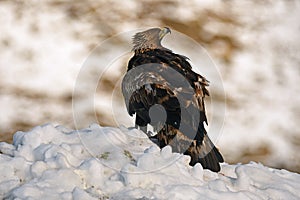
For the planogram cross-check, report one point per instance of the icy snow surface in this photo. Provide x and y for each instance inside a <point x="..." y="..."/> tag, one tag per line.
<point x="118" y="163"/>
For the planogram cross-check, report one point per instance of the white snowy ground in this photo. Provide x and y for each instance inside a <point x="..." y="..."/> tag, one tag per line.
<point x="117" y="163"/>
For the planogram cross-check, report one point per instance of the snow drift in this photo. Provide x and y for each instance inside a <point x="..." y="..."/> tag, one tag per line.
<point x="51" y="162"/>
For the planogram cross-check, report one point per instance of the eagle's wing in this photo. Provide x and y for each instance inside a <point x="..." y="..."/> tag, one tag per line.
<point x="154" y="83"/>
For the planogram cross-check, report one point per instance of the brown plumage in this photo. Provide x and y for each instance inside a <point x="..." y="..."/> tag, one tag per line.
<point x="156" y="75"/>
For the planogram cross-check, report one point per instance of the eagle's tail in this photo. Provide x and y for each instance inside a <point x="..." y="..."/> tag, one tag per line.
<point x="205" y="153"/>
<point x="201" y="149"/>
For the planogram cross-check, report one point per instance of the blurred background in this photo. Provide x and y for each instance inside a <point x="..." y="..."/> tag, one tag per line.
<point x="254" y="44"/>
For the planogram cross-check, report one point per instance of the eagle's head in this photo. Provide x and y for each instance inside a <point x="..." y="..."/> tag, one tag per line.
<point x="149" y="39"/>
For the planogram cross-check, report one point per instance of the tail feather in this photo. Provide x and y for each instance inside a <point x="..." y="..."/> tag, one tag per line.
<point x="203" y="152"/>
<point x="211" y="160"/>
<point x="207" y="154"/>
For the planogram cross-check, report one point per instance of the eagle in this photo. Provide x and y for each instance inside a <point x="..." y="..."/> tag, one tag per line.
<point x="162" y="90"/>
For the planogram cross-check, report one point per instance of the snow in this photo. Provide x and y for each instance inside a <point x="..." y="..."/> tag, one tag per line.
<point x="31" y="51"/>
<point x="54" y="162"/>
<point x="264" y="83"/>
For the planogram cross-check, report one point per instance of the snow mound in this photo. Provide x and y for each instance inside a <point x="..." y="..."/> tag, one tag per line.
<point x="118" y="163"/>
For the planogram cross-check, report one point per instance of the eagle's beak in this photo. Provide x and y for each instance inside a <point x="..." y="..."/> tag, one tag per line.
<point x="164" y="31"/>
